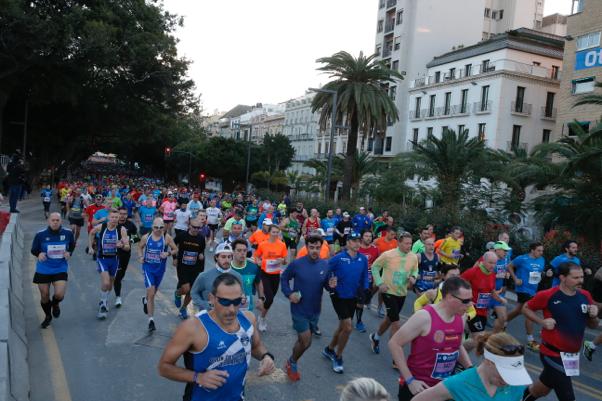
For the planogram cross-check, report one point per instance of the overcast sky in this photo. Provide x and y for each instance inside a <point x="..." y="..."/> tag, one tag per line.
<point x="250" y="51"/>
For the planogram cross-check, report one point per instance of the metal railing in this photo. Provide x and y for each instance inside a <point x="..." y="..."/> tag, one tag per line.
<point x="389" y="26"/>
<point x="523" y="109"/>
<point x="391" y="3"/>
<point x="386" y="53"/>
<point x="460" y="109"/>
<point x="519" y="145"/>
<point x="415" y="115"/>
<point x="483" y="107"/>
<point x="548" y="113"/>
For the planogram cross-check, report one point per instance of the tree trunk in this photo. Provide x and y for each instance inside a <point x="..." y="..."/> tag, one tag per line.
<point x="350" y="157"/>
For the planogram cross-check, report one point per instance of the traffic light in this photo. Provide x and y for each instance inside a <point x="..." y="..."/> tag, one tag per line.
<point x="202" y="177"/>
<point x="168" y="151"/>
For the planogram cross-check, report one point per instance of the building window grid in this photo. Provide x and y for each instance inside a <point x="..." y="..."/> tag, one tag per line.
<point x="447" y="104"/>
<point x="588" y="40"/>
<point x="545" y="138"/>
<point x="399" y="17"/>
<point x="432" y="106"/>
<point x="481" y="130"/>
<point x="515" y="137"/>
<point x="388" y="144"/>
<point x="464" y="102"/>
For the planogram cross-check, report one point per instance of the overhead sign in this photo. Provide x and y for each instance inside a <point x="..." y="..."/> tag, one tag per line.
<point x="589" y="58"/>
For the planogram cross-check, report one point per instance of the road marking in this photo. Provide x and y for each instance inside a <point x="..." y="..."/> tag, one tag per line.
<point x="57" y="370"/>
<point x="582" y="387"/>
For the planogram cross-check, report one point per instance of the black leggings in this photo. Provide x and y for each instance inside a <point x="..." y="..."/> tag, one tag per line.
<point x="124" y="259"/>
<point x="270" y="288"/>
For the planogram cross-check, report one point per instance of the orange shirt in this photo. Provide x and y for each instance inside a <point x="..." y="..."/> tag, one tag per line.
<point x="324" y="251"/>
<point x="258" y="237"/>
<point x="383" y="245"/>
<point x="268" y="252"/>
<point x="438" y="243"/>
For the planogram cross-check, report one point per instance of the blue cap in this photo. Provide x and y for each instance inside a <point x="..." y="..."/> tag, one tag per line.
<point x="354" y="235"/>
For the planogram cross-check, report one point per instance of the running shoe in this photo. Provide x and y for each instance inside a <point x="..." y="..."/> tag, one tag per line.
<point x="588" y="350"/>
<point x="262" y="324"/>
<point x="374" y="344"/>
<point x="56" y="310"/>
<point x="118" y="302"/>
<point x="533" y="345"/>
<point x="144" y="307"/>
<point x="183" y="313"/>
<point x="292" y="371"/>
<point x="315" y="330"/>
<point x="151" y="326"/>
<point x="337" y="365"/>
<point x="328" y="353"/>
<point x="381" y="311"/>
<point x="46" y="322"/>
<point x="359" y="326"/>
<point x="177" y="299"/>
<point x="102" y="311"/>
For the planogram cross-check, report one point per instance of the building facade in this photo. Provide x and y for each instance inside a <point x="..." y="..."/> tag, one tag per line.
<point x="582" y="66"/>
<point x="302" y="127"/>
<point x="411" y="33"/>
<point x="502" y="91"/>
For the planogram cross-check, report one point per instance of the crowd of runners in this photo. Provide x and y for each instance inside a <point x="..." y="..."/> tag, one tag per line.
<point x="364" y="263"/>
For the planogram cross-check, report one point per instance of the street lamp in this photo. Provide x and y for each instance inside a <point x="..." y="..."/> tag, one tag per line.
<point x="332" y="129"/>
<point x="169" y="151"/>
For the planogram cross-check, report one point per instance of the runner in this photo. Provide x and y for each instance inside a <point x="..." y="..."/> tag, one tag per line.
<point x="589" y="347"/>
<point x="250" y="274"/>
<point x="428" y="266"/>
<point x="252" y="211"/>
<point x="324" y="250"/>
<point x="387" y="241"/>
<point x="418" y="246"/>
<point x="526" y="271"/>
<point x="202" y="286"/>
<point x="450" y="249"/>
<point x="370" y="251"/>
<point x="361" y="221"/>
<point x="76" y="204"/>
<point x="261" y="235"/>
<point x="392" y="272"/>
<point x="312" y="223"/>
<point x="111" y="238"/>
<point x="194" y="206"/>
<point x="123" y="254"/>
<point x="567" y="311"/>
<point x="501" y="249"/>
<point x="182" y="218"/>
<point x="570" y="249"/>
<point x="501" y="376"/>
<point x="349" y="269"/>
<point x="189" y="263"/>
<point x="153" y="251"/>
<point x="217" y="347"/>
<point x="328" y="224"/>
<point x="147" y="213"/>
<point x="52" y="247"/>
<point x="290" y="233"/>
<point x="435" y="334"/>
<point x="310" y="274"/>
<point x="271" y="255"/>
<point x="343" y="229"/>
<point x="168" y="210"/>
<point x="214" y="217"/>
<point x="46" y="195"/>
<point x="237" y="218"/>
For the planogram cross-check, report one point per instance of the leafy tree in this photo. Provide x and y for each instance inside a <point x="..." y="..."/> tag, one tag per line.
<point x="277" y="152"/>
<point x="363" y="102"/>
<point x="594" y="99"/>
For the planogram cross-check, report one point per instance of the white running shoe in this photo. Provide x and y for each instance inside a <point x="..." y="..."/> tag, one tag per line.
<point x="262" y="324"/>
<point x="118" y="302"/>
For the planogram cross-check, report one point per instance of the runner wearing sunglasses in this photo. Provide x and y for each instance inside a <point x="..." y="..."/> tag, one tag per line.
<point x="217" y="346"/>
<point x="153" y="251"/>
<point x="435" y="333"/>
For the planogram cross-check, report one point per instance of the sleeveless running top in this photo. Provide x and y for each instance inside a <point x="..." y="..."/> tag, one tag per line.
<point x="427" y="271"/>
<point x="433" y="357"/>
<point x="107" y="245"/>
<point x="76" y="208"/>
<point x="152" y="252"/>
<point x="311" y="226"/>
<point x="230" y="352"/>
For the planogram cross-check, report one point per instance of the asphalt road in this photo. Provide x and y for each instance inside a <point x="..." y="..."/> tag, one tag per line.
<point x="82" y="359"/>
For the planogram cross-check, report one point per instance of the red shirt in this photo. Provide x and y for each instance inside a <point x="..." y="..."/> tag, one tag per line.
<point x="371" y="254"/>
<point x="482" y="286"/>
<point x="90" y="211"/>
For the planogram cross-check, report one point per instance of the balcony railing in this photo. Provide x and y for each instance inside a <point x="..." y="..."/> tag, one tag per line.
<point x="415" y="115"/>
<point x="389" y="26"/>
<point x="519" y="145"/>
<point x="460" y="109"/>
<point x="521" y="109"/>
<point x="381" y="4"/>
<point x="430" y="113"/>
<point x="483" y="107"/>
<point x="387" y="53"/>
<point x="391" y="3"/>
<point x="548" y="113"/>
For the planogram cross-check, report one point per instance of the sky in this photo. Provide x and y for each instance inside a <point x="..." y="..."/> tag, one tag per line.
<point x="252" y="51"/>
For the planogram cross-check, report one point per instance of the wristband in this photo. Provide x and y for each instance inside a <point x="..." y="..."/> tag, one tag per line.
<point x="407" y="381"/>
<point x="267" y="354"/>
<point x="195" y="377"/>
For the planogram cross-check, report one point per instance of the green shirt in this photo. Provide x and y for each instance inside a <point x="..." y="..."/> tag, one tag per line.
<point x="418" y="246"/>
<point x="250" y="277"/>
<point x="394" y="268"/>
<point x="291" y="230"/>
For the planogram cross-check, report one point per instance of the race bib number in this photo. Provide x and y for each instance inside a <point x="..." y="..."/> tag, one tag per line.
<point x="483" y="300"/>
<point x="189" y="258"/>
<point x="152" y="256"/>
<point x="444" y="364"/>
<point x="148" y="218"/>
<point x="329" y="231"/>
<point x="272" y="266"/>
<point x="46" y="199"/>
<point x="534" y="277"/>
<point x="347" y="230"/>
<point x="56" y="251"/>
<point x="571" y="363"/>
<point x="501" y="274"/>
<point x="170" y="215"/>
<point x="429" y="276"/>
<point x="109" y="246"/>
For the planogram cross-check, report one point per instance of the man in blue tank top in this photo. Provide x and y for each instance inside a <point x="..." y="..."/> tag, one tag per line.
<point x="111" y="237"/>
<point x="153" y="251"/>
<point x="217" y="347"/>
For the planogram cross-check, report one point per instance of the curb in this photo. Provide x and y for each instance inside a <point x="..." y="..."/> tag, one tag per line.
<point x="14" y="369"/>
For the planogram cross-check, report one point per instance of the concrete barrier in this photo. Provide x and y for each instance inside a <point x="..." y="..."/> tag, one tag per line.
<point x="14" y="370"/>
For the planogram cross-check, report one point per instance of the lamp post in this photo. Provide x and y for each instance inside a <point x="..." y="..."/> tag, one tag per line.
<point x="190" y="156"/>
<point x="333" y="120"/>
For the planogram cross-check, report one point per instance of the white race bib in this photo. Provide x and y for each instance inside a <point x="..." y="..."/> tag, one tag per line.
<point x="272" y="266"/>
<point x="571" y="363"/>
<point x="534" y="278"/>
<point x="56" y="251"/>
<point x="46" y="199"/>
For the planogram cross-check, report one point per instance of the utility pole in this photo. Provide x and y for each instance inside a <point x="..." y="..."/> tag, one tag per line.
<point x="248" y="158"/>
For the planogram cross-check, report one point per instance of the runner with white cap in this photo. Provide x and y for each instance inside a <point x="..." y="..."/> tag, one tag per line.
<point x="501" y="376"/>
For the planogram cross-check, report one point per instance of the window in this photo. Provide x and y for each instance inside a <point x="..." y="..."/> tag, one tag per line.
<point x="452" y="73"/>
<point x="584" y="126"/>
<point x="378" y="49"/>
<point x="583" y="85"/>
<point x="429" y="131"/>
<point x="485" y="66"/>
<point x="381" y="4"/>
<point x="545" y="137"/>
<point x="555" y="72"/>
<point x="484" y="97"/>
<point x="536" y="63"/>
<point x="415" y="135"/>
<point x="467" y="70"/>
<point x="438" y="76"/>
<point x="417" y="107"/>
<point x="464" y="101"/>
<point x="588" y="40"/>
<point x="482" y="136"/>
<point x="395" y="66"/>
<point x="549" y="109"/>
<point x="370" y="144"/>
<point x="461" y="128"/>
<point x="319" y="147"/>
<point x="393" y="92"/>
<point x="396" y="43"/>
<point x="379" y="28"/>
<point x="447" y="104"/>
<point x="487" y="12"/>
<point x="501" y="14"/>
<point x="443" y="129"/>
<point x="399" y="17"/>
<point x="494" y="14"/>
<point x="520" y="99"/>
<point x="515" y="137"/>
<point x="388" y="143"/>
<point x="432" y="106"/>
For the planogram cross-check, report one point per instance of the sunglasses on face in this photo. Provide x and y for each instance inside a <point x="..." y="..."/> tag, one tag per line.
<point x="465" y="301"/>
<point x="513" y="349"/>
<point x="227" y="302"/>
<point x="158" y="227"/>
<point x="195" y="227"/>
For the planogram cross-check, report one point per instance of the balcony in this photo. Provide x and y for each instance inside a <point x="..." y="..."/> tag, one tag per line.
<point x="548" y="113"/>
<point x="391" y="3"/>
<point x="429" y="114"/>
<point x="520" y="145"/>
<point x="387" y="53"/>
<point x="381" y="4"/>
<point x="443" y="112"/>
<point x="415" y="115"/>
<point x="483" y="107"/>
<point x="460" y="109"/>
<point x="389" y="26"/>
<point x="520" y="109"/>
<point x="321" y="156"/>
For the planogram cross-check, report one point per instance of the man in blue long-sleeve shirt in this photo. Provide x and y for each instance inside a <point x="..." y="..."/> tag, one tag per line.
<point x="361" y="221"/>
<point x="349" y="270"/>
<point x="310" y="274"/>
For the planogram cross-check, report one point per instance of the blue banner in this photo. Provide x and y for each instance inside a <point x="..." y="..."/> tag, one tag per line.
<point x="589" y="58"/>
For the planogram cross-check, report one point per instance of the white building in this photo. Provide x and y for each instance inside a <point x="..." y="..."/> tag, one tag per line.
<point x="411" y="32"/>
<point x="243" y="125"/>
<point x="502" y="90"/>
<point x="301" y="126"/>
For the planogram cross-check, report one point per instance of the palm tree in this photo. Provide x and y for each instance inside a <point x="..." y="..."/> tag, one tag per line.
<point x="363" y="102"/>
<point x="452" y="160"/>
<point x="590" y="99"/>
<point x="363" y="164"/>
